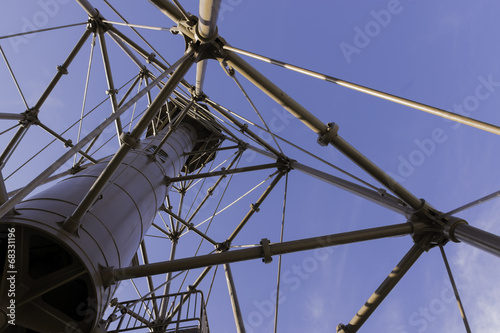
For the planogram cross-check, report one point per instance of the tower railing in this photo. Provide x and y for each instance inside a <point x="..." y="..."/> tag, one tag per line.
<point x="187" y="314"/>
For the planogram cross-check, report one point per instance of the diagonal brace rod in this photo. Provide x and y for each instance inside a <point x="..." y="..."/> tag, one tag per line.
<point x="254" y="208"/>
<point x="377" y="93"/>
<point x="327" y="134"/>
<point x="224" y="172"/>
<point x="190" y="226"/>
<point x="384" y="289"/>
<point x="243" y="127"/>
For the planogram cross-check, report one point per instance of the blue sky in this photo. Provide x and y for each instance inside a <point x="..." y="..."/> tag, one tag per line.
<point x="443" y="54"/>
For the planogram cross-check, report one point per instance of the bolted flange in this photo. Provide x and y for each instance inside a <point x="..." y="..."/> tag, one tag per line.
<point x="449" y="228"/>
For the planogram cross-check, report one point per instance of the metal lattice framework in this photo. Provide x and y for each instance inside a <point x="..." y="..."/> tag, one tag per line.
<point x="193" y="238"/>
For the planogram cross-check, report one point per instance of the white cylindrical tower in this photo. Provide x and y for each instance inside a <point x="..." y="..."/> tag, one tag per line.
<point x="58" y="282"/>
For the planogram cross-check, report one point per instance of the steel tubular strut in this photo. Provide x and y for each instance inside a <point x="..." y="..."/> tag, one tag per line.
<point x="385" y="288"/>
<point x="109" y="79"/>
<point x="238" y="317"/>
<point x="328" y="134"/>
<point x="126" y="49"/>
<point x="224" y="172"/>
<point x="396" y="99"/>
<point x="111" y="275"/>
<point x="455" y="290"/>
<point x="62" y="70"/>
<point x="67" y="143"/>
<point x="12" y="116"/>
<point x="206" y="30"/>
<point x="145" y="258"/>
<point x="190" y="226"/>
<point x="254" y="208"/>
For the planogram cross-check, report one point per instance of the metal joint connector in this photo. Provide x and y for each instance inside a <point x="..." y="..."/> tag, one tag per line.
<point x="198" y="97"/>
<point x="62" y="70"/>
<point x="255" y="207"/>
<point x="75" y="169"/>
<point x="284" y="164"/>
<point x="204" y="40"/>
<point x="331" y="132"/>
<point x="228" y="69"/>
<point x="129" y="141"/>
<point x="243" y="128"/>
<point x="266" y="251"/>
<point x="111" y="92"/>
<point x="341" y="328"/>
<point x="242" y="146"/>
<point x="150" y="58"/>
<point x="223" y="247"/>
<point x="68" y="143"/>
<point x="30" y="117"/>
<point x="449" y="228"/>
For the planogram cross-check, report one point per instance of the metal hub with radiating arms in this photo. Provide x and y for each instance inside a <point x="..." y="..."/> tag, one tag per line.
<point x="162" y="186"/>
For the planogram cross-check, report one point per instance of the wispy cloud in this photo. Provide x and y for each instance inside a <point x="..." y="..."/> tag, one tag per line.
<point x="478" y="273"/>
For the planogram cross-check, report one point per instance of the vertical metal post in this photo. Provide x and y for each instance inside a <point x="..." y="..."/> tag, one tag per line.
<point x="386" y="200"/>
<point x="191" y="287"/>
<point x="126" y="49"/>
<point x="111" y="275"/>
<point x="91" y="11"/>
<point x="238" y="318"/>
<point x="150" y="279"/>
<point x="207" y="29"/>
<point x="166" y="290"/>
